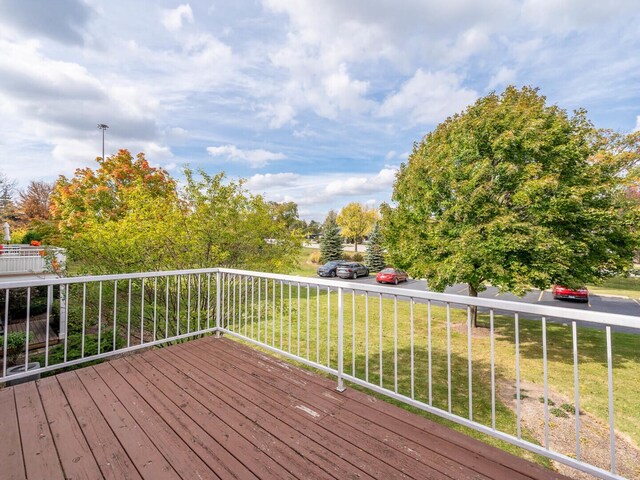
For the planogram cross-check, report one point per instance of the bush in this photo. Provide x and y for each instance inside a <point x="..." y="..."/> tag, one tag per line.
<point x="18" y="303"/>
<point x="16" y="343"/>
<point x="31" y="236"/>
<point x="74" y="347"/>
<point x="357" y="257"/>
<point x="314" y="257"/>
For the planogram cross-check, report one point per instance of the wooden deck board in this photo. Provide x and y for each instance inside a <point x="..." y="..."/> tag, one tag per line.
<point x="37" y="333"/>
<point x="375" y="458"/>
<point x="444" y="444"/>
<point x="10" y="444"/>
<point x="74" y="452"/>
<point x="212" y="408"/>
<point x="39" y="452"/>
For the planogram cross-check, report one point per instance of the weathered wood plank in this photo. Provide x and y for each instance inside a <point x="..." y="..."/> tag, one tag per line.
<point x="40" y="456"/>
<point x="213" y="440"/>
<point x="149" y="462"/>
<point x="340" y="436"/>
<point x="293" y="454"/>
<point x="73" y="451"/>
<point x="112" y="459"/>
<point x="300" y="418"/>
<point x="457" y="446"/>
<point x="10" y="445"/>
<point x="177" y="453"/>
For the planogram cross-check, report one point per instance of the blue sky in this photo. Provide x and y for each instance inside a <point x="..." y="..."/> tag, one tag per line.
<point x="312" y="101"/>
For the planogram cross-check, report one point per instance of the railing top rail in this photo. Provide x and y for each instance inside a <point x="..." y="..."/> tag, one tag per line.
<point x="596" y="317"/>
<point x="40" y="282"/>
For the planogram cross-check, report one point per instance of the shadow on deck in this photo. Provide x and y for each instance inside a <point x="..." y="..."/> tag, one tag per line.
<point x="212" y="408"/>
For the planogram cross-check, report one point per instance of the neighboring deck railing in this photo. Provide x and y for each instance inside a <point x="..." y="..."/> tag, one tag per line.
<point x="405" y="344"/>
<point x="20" y="259"/>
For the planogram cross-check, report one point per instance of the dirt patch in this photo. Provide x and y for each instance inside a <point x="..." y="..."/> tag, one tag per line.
<point x="476" y="332"/>
<point x="594" y="433"/>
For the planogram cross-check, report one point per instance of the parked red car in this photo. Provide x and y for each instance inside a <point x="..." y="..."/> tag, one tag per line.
<point x="559" y="292"/>
<point x="392" y="275"/>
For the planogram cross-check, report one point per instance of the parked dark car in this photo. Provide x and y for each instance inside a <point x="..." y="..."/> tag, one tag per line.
<point x="352" y="270"/>
<point x="329" y="268"/>
<point x="392" y="275"/>
<point x="559" y="292"/>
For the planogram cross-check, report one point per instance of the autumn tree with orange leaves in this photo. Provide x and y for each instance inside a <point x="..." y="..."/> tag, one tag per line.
<point x="101" y="195"/>
<point x="127" y="216"/>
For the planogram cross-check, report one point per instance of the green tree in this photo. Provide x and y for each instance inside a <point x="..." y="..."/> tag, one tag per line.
<point x="356" y="221"/>
<point x="129" y="217"/>
<point x="101" y="195"/>
<point x="331" y="241"/>
<point x="228" y="226"/>
<point x="375" y="252"/>
<point x="516" y="193"/>
<point x="287" y="212"/>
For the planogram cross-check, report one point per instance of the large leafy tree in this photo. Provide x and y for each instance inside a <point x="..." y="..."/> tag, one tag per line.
<point x="127" y="216"/>
<point x="35" y="200"/>
<point x="101" y="195"/>
<point x="331" y="241"/>
<point x="517" y="193"/>
<point x="356" y="221"/>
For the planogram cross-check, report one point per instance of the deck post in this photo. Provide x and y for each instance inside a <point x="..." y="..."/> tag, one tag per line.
<point x="340" y="386"/>
<point x="64" y="302"/>
<point x="218" y="304"/>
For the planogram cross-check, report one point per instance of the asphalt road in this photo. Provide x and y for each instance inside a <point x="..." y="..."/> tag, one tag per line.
<point x="600" y="303"/>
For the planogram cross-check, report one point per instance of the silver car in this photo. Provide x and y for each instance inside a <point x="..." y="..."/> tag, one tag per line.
<point x="352" y="270"/>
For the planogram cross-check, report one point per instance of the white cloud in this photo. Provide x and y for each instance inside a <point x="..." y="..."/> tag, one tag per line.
<point x="502" y="77"/>
<point x="563" y="17"/>
<point x="360" y="185"/>
<point x="254" y="158"/>
<point x="270" y="180"/>
<point x="172" y="19"/>
<point x="637" y="129"/>
<point x="428" y="98"/>
<point x="390" y="154"/>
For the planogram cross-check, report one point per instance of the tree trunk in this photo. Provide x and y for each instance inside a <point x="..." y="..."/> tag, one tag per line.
<point x="474" y="309"/>
<point x="355" y="244"/>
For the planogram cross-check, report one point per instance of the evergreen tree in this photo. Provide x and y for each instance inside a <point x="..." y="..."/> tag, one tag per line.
<point x="374" y="258"/>
<point x="331" y="241"/>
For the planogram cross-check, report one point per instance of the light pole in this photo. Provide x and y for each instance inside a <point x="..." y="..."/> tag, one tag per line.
<point x="103" y="127"/>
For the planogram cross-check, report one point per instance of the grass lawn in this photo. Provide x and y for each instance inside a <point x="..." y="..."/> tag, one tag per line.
<point x="304" y="267"/>
<point x="308" y="327"/>
<point x="627" y="286"/>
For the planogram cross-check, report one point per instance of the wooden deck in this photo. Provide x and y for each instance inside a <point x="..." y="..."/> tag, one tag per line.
<point x="212" y="408"/>
<point x="37" y="332"/>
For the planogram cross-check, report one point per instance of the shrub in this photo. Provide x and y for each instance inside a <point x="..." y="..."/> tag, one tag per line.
<point x="16" y="342"/>
<point x="567" y="407"/>
<point x="549" y="401"/>
<point x="357" y="257"/>
<point x="74" y="347"/>
<point x="31" y="236"/>
<point x="18" y="303"/>
<point x="314" y="257"/>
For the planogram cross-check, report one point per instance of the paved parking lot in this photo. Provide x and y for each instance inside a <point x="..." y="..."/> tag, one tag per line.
<point x="600" y="303"/>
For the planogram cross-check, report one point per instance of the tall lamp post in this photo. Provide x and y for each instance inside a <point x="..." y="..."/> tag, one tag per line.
<point x="103" y="127"/>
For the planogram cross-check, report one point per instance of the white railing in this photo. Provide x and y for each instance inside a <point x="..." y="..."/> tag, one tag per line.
<point x="409" y="345"/>
<point x="18" y="259"/>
